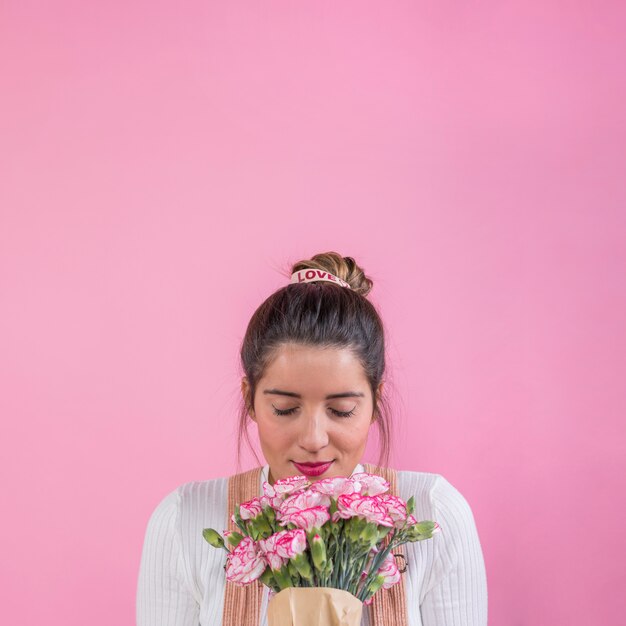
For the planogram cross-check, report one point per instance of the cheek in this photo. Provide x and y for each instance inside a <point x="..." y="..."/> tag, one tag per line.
<point x="272" y="434"/>
<point x="353" y="436"/>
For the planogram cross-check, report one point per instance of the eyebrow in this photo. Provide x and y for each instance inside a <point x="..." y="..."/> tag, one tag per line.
<point x="291" y="394"/>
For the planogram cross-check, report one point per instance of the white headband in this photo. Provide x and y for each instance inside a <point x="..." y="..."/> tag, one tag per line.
<point x="308" y="276"/>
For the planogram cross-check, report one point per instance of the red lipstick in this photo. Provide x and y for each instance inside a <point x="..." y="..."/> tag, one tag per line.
<point x="313" y="469"/>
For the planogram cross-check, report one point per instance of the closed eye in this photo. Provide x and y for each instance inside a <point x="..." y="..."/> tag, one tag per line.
<point x="295" y="408"/>
<point x="283" y="411"/>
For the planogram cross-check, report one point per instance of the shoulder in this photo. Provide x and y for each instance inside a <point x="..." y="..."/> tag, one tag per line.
<point x="433" y="488"/>
<point x="457" y="556"/>
<point x="198" y="500"/>
<point x="437" y="499"/>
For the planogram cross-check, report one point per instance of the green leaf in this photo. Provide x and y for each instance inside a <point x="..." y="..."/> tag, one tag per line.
<point x="410" y="505"/>
<point x="234" y="539"/>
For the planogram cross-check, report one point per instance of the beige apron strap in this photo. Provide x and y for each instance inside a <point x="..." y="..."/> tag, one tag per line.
<point x="242" y="604"/>
<point x="389" y="605"/>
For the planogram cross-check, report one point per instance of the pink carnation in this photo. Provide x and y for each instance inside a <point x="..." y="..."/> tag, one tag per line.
<point x="250" y="509"/>
<point x="282" y="546"/>
<point x="369" y="507"/>
<point x="303" y="500"/>
<point x="371" y="484"/>
<point x="245" y="563"/>
<point x="306" y="519"/>
<point x="270" y="498"/>
<point x="268" y="490"/>
<point x="290" y="543"/>
<point x="396" y="509"/>
<point x="389" y="571"/>
<point x="335" y="487"/>
<point x="285" y="486"/>
<point x="273" y="502"/>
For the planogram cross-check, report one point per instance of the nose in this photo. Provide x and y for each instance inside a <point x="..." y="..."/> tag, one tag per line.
<point x="313" y="435"/>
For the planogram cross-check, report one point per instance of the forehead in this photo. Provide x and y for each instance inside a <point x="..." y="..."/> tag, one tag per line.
<point x="311" y="368"/>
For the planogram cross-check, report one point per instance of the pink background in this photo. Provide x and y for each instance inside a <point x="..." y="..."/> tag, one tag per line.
<point x="162" y="163"/>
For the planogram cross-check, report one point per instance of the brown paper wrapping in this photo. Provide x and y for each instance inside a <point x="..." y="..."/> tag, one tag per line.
<point x="314" y="606"/>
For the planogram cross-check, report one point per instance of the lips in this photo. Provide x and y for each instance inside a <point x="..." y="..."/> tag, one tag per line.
<point x="313" y="469"/>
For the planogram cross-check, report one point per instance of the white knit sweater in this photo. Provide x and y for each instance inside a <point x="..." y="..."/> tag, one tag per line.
<point x="181" y="577"/>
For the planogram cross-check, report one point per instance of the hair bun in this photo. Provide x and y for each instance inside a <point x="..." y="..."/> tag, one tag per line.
<point x="345" y="268"/>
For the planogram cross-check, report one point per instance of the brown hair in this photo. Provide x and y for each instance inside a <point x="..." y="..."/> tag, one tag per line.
<point x="319" y="313"/>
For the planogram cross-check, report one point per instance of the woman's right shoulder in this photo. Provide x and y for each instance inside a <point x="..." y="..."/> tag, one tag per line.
<point x="174" y="535"/>
<point x="195" y="499"/>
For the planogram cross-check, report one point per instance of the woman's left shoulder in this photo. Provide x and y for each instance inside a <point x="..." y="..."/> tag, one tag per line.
<point x="432" y="492"/>
<point x="428" y="480"/>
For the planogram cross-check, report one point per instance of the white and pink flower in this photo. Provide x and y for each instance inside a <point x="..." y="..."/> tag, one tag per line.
<point x="371" y="484"/>
<point x="396" y="509"/>
<point x="303" y="500"/>
<point x="268" y="490"/>
<point x="272" y="502"/>
<point x="290" y="543"/>
<point x="335" y="487"/>
<point x="306" y="519"/>
<point x="289" y="485"/>
<point x="245" y="563"/>
<point x="283" y="546"/>
<point x="369" y="507"/>
<point x="250" y="509"/>
<point x="389" y="571"/>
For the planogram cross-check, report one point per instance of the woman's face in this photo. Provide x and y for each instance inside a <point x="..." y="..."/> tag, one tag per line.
<point x="313" y="408"/>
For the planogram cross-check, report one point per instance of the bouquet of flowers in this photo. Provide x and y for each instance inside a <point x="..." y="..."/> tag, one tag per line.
<point x="335" y="535"/>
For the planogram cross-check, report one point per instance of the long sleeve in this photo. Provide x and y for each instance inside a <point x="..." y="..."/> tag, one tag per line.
<point x="456" y="591"/>
<point x="163" y="596"/>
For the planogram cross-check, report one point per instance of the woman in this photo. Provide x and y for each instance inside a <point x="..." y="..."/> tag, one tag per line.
<point x="314" y="360"/>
